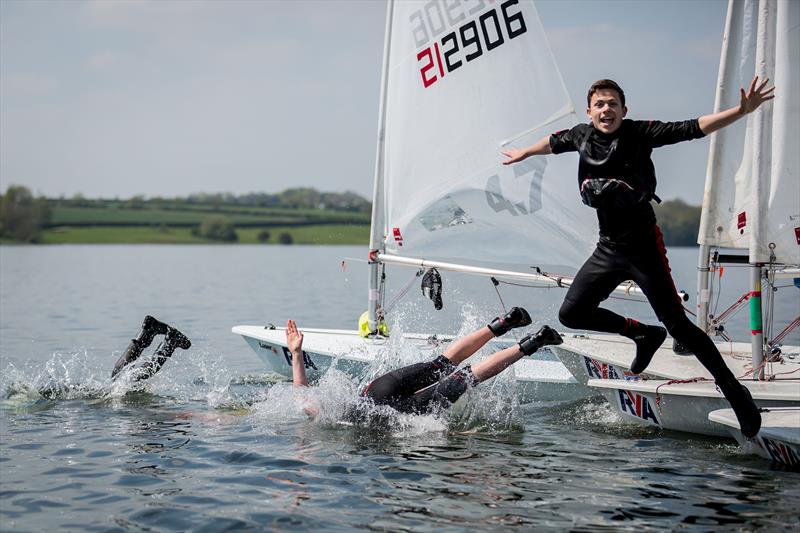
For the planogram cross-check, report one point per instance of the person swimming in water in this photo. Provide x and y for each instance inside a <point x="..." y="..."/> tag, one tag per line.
<point x="150" y="328"/>
<point x="422" y="388"/>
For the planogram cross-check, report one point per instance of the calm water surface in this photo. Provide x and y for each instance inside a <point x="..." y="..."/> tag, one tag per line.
<point x="212" y="443"/>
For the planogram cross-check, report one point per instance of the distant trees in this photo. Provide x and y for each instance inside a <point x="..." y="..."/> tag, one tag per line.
<point x="679" y="222"/>
<point x="285" y="238"/>
<point x="21" y="215"/>
<point x="263" y="236"/>
<point x="216" y="228"/>
<point x="295" y="198"/>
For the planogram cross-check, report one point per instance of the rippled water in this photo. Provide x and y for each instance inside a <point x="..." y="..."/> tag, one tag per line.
<point x="212" y="443"/>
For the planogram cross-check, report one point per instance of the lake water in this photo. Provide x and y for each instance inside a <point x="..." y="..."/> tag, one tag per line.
<point x="212" y="443"/>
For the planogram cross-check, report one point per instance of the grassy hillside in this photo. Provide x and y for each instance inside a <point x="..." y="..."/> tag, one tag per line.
<point x="302" y="216"/>
<point x="301" y="219"/>
<point x="115" y="215"/>
<point x="311" y="234"/>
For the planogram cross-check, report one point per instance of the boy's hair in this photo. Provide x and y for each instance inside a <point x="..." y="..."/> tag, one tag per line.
<point x="605" y="84"/>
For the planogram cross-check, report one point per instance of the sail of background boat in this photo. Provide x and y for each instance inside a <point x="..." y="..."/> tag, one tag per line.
<point x="752" y="191"/>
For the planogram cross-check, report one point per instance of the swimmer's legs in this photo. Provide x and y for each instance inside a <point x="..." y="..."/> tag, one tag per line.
<point x="465" y="346"/>
<point x="150" y="328"/>
<point x="462" y="348"/>
<point x="499" y="361"/>
<point x="174" y="339"/>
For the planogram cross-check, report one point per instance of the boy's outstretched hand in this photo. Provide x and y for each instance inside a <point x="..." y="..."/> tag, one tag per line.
<point x="294" y="338"/>
<point x="514" y="156"/>
<point x="755" y="96"/>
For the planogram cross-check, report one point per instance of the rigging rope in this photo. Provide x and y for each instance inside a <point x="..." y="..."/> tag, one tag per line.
<point x="495" y="283"/>
<point x="675" y="382"/>
<point x="788" y="329"/>
<point x="403" y="291"/>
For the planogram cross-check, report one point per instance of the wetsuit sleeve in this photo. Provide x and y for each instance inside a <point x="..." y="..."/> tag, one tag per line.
<point x="662" y="133"/>
<point x="567" y="140"/>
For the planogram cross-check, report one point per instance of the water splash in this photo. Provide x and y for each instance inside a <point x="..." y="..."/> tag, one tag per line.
<point x="492" y="407"/>
<point x="198" y="376"/>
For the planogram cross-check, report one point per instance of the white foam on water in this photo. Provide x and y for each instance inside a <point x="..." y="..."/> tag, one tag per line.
<point x="65" y="376"/>
<point x="492" y="406"/>
<point x="195" y="376"/>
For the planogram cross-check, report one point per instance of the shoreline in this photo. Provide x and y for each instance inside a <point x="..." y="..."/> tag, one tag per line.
<point x="325" y="234"/>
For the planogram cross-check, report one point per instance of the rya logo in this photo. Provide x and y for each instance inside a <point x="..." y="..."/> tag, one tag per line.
<point x="637" y="405"/>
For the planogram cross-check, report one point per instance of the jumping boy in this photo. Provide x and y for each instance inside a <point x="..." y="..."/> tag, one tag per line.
<point x="616" y="177"/>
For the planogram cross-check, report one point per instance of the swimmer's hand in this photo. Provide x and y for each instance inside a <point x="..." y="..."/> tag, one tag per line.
<point x="294" y="338"/>
<point x="294" y="341"/>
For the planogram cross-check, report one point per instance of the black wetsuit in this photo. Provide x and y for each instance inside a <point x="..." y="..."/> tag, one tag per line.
<point x="421" y="387"/>
<point x="631" y="246"/>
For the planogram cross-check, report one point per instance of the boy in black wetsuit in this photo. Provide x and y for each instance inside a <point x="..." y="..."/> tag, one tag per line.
<point x="150" y="328"/>
<point x="616" y="176"/>
<point x="423" y="387"/>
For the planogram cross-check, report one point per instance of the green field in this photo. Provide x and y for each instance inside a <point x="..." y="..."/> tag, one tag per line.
<point x="114" y="215"/>
<point x="309" y="234"/>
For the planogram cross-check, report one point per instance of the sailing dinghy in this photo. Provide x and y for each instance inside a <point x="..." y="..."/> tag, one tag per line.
<point x="778" y="440"/>
<point x="685" y="406"/>
<point x="460" y="83"/>
<point x="751" y="202"/>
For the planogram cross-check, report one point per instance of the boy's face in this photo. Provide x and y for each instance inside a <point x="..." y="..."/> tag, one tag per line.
<point x="606" y="111"/>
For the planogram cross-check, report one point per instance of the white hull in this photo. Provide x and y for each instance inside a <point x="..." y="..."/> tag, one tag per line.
<point x="543" y="378"/>
<point x="609" y="357"/>
<point x="686" y="406"/>
<point x="778" y="440"/>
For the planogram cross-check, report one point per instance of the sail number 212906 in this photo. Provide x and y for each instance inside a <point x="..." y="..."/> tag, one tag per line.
<point x="467" y="42"/>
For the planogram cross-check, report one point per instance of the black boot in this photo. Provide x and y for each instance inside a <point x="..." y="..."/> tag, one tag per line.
<point x="747" y="413"/>
<point x="150" y="328"/>
<point x="648" y="339"/>
<point x="153" y="327"/>
<point x="680" y="349"/>
<point x="544" y="337"/>
<point x="174" y="339"/>
<point x="516" y="318"/>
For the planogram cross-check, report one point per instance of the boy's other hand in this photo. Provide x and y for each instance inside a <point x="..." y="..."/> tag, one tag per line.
<point x="755" y="96"/>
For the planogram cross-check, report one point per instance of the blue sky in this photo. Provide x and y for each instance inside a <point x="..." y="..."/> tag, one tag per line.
<point x="168" y="98"/>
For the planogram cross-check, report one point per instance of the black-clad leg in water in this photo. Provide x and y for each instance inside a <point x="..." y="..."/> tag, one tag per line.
<point x="150" y="328"/>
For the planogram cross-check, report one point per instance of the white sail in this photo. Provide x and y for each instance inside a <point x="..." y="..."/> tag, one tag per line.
<point x="466" y="80"/>
<point x="752" y="191"/>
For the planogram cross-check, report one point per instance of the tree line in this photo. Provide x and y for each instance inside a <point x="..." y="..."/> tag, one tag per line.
<point x="293" y="198"/>
<point x="23" y="216"/>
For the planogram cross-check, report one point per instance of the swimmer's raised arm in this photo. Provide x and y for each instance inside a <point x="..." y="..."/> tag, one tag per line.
<point x="294" y="340"/>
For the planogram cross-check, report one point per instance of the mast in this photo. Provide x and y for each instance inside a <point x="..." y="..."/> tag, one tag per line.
<point x="714" y="169"/>
<point x="376" y="244"/>
<point x="762" y="168"/>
